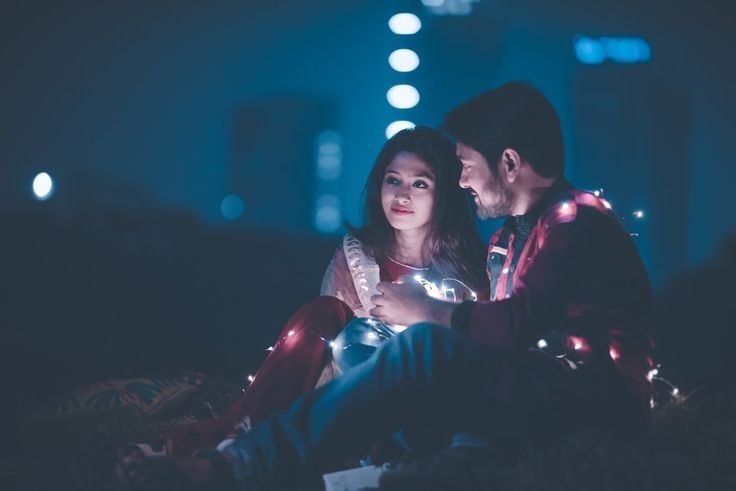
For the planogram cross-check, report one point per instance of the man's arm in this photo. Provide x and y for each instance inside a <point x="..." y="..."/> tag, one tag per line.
<point x="554" y="278"/>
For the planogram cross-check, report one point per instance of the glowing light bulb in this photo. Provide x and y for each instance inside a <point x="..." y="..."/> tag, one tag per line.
<point x="541" y="344"/>
<point x="652" y="373"/>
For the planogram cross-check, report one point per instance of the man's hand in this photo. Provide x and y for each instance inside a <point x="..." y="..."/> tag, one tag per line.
<point x="408" y="303"/>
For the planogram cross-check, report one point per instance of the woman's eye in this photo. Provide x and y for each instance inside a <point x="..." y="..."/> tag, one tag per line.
<point x="421" y="185"/>
<point x="392" y="180"/>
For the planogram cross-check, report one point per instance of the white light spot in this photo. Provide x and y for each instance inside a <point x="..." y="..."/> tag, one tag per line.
<point x="541" y="344"/>
<point x="290" y="333"/>
<point x="43" y="186"/>
<point x="577" y="346"/>
<point x="397" y="126"/>
<point x="371" y="336"/>
<point x="270" y="348"/>
<point x="638" y="214"/>
<point x="403" y="60"/>
<point x="251" y="378"/>
<point x="327" y="214"/>
<point x="652" y="373"/>
<point x="565" y="207"/>
<point x="675" y="392"/>
<point x="505" y="270"/>
<point x="405" y="24"/>
<point x="606" y="204"/>
<point x="403" y="96"/>
<point x="333" y="344"/>
<point x="232" y="207"/>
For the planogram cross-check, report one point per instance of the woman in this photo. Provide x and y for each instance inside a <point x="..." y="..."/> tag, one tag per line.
<point x="417" y="222"/>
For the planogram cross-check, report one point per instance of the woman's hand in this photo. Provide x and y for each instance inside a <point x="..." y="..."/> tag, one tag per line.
<point x="408" y="303"/>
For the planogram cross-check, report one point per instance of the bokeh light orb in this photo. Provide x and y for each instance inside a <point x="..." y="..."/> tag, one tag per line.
<point x="397" y="126"/>
<point x="403" y="96"/>
<point x="404" y="24"/>
<point x="232" y="207"/>
<point x="43" y="186"/>
<point x="403" y="60"/>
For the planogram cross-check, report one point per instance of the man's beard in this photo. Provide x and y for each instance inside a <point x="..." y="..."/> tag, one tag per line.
<point x="501" y="207"/>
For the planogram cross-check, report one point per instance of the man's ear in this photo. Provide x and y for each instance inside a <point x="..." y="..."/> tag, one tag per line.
<point x="510" y="164"/>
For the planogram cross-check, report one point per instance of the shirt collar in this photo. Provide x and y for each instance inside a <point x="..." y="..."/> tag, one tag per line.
<point x="522" y="224"/>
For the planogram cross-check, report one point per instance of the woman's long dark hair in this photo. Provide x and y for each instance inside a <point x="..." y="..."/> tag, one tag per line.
<point x="452" y="245"/>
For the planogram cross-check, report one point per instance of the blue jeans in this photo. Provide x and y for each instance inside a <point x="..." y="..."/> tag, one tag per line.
<point x="425" y="377"/>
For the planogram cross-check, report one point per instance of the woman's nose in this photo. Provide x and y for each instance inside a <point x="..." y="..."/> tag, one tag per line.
<point x="403" y="194"/>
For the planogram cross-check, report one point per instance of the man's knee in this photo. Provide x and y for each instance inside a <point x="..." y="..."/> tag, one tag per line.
<point x="427" y="338"/>
<point x="428" y="332"/>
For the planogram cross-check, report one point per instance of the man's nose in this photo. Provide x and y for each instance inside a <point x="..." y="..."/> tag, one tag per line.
<point x="463" y="181"/>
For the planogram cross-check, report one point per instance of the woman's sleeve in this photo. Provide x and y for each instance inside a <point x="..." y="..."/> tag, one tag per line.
<point x="338" y="282"/>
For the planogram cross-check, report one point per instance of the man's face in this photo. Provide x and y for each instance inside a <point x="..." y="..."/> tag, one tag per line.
<point x="493" y="196"/>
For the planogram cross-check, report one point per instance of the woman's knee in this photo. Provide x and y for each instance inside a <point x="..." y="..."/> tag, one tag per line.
<point x="324" y="315"/>
<point x="357" y="342"/>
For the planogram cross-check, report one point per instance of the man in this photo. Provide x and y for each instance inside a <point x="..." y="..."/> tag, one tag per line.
<point x="561" y="346"/>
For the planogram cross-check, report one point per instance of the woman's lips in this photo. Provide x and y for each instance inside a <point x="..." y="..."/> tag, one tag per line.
<point x="401" y="211"/>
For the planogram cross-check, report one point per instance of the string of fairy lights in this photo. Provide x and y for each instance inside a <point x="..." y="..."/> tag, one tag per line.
<point x="666" y="391"/>
<point x="441" y="291"/>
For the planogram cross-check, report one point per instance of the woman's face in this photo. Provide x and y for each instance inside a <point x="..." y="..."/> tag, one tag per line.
<point x="407" y="193"/>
